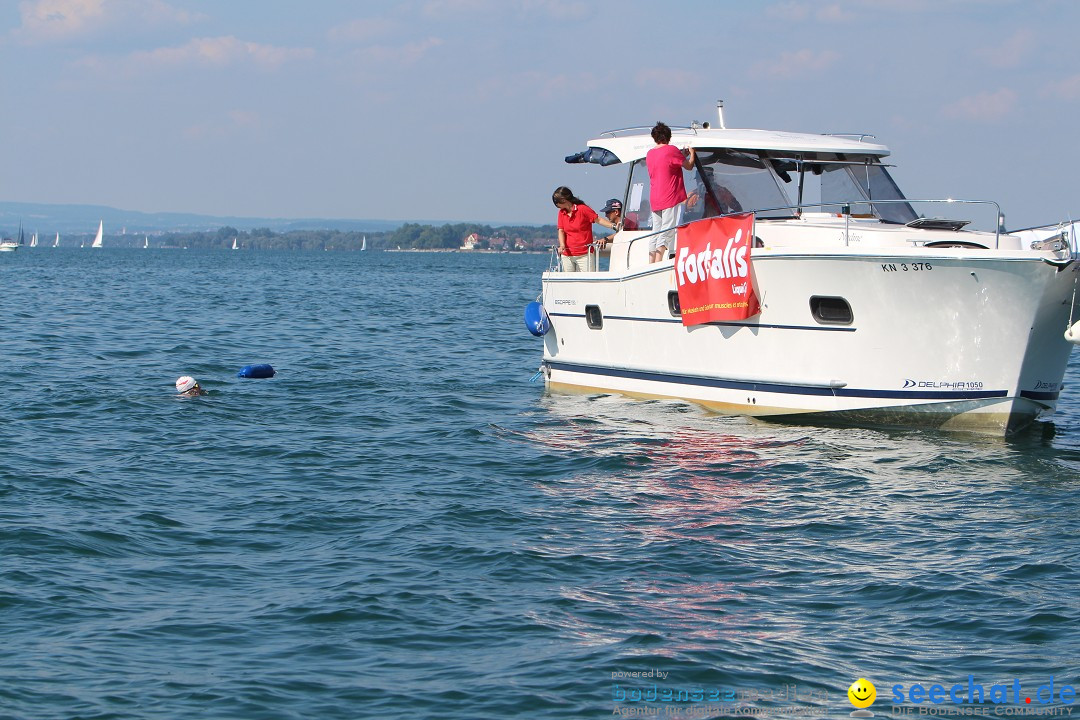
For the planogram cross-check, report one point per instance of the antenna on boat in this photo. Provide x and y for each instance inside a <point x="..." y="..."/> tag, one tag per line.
<point x="720" y="114"/>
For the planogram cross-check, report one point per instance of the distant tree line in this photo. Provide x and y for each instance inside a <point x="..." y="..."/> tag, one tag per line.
<point x="407" y="237"/>
<point x="431" y="237"/>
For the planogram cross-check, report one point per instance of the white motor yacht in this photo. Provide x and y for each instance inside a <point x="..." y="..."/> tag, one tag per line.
<point x="874" y="308"/>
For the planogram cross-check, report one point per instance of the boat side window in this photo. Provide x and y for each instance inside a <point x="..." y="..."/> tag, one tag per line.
<point x="638" y="211"/>
<point x="593" y="317"/>
<point x="850" y="184"/>
<point x="740" y="182"/>
<point x="673" y="305"/>
<point x="831" y="310"/>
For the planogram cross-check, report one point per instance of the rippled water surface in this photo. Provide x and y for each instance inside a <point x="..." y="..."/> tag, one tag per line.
<point x="401" y="525"/>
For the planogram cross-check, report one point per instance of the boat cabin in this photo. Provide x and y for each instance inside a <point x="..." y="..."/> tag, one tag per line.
<point x="780" y="176"/>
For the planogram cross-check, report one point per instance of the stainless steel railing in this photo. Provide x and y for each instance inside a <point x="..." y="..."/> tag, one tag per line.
<point x="797" y="210"/>
<point x="847" y="216"/>
<point x="593" y="254"/>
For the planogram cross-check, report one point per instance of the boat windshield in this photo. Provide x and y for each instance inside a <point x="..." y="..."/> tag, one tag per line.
<point x="731" y="181"/>
<point x="851" y="184"/>
<point x="721" y="182"/>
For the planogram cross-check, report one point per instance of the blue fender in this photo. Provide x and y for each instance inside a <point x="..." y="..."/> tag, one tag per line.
<point x="536" y="319"/>
<point x="256" y="371"/>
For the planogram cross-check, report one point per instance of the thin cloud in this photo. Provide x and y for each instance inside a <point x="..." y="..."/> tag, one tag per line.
<point x="221" y="51"/>
<point x="408" y="54"/>
<point x="58" y="20"/>
<point x="793" y="11"/>
<point x="833" y="13"/>
<point x="801" y="12"/>
<point x="1013" y="51"/>
<point x="926" y="6"/>
<point x="558" y="9"/>
<point x="1067" y="89"/>
<point x="669" y="79"/>
<point x="235" y="122"/>
<point x="796" y="64"/>
<point x="539" y="85"/>
<point x="442" y="9"/>
<point x="984" y="107"/>
<point x="377" y="63"/>
<point x="361" y="30"/>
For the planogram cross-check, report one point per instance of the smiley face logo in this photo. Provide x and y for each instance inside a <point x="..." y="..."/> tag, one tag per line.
<point x="862" y="693"/>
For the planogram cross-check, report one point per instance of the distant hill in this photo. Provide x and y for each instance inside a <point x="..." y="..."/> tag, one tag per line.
<point x="83" y="219"/>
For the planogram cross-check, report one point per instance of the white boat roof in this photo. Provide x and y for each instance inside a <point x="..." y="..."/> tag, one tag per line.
<point x="634" y="146"/>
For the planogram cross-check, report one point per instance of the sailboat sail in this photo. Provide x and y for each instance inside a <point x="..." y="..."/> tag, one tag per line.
<point x="234" y="245"/>
<point x="97" y="238"/>
<point x="363" y="243"/>
<point x="56" y="242"/>
<point x="146" y="242"/>
<point x="33" y="240"/>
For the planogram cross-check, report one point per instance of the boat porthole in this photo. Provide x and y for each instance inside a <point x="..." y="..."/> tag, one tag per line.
<point x="594" y="317"/>
<point x="673" y="303"/>
<point x="831" y="310"/>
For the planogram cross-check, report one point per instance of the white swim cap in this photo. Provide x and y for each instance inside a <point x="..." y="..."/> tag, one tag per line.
<point x="185" y="383"/>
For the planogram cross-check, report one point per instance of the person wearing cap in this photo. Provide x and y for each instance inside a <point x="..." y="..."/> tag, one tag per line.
<point x="613" y="212"/>
<point x="575" y="223"/>
<point x="188" y="386"/>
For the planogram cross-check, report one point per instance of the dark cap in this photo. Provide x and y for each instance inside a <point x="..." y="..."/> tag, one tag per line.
<point x="612" y="204"/>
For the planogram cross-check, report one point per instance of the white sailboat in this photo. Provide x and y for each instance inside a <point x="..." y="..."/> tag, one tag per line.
<point x="363" y="243"/>
<point x="234" y="245"/>
<point x="97" y="238"/>
<point x="56" y="242"/>
<point x="33" y="240"/>
<point x="146" y="242"/>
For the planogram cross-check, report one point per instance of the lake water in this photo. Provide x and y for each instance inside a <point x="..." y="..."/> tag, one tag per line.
<point x="402" y="525"/>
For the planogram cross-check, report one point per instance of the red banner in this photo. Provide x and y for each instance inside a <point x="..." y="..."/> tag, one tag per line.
<point x="712" y="269"/>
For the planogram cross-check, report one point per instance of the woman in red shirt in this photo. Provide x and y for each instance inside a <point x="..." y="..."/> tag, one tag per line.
<point x="575" y="230"/>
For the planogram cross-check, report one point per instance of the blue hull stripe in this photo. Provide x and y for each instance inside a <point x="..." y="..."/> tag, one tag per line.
<point x="778" y="388"/>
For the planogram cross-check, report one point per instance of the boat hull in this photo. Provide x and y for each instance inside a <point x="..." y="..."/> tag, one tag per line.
<point x="936" y="338"/>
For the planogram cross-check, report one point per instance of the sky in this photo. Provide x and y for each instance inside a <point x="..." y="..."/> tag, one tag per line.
<point x="462" y="110"/>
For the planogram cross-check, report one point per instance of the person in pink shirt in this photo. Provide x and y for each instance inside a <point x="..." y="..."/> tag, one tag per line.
<point x="666" y="190"/>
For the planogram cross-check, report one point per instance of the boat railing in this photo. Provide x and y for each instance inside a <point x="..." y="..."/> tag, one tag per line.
<point x="593" y="254"/>
<point x="845" y="207"/>
<point x="1066" y="231"/>
<point x="691" y="129"/>
<point x="859" y="136"/>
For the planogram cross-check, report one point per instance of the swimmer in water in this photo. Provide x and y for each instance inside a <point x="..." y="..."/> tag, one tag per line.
<point x="189" y="386"/>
